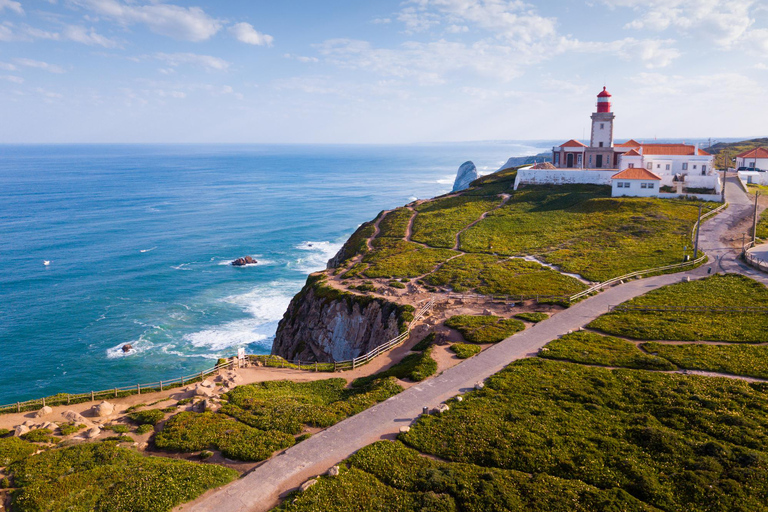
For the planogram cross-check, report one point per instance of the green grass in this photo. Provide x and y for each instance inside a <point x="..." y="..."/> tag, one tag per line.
<point x="425" y="342"/>
<point x="397" y="259"/>
<point x="731" y="290"/>
<point x="484" y="328"/>
<point x="395" y="223"/>
<point x="104" y="477"/>
<point x="465" y="350"/>
<point x="13" y="449"/>
<point x="751" y="361"/>
<point x="397" y="284"/>
<point x="67" y="429"/>
<point x="438" y="221"/>
<point x="489" y="275"/>
<point x="415" y="367"/>
<point x="40" y="435"/>
<point x="148" y="417"/>
<point x="591" y="348"/>
<point x="672" y="441"/>
<point x="143" y="429"/>
<point x="532" y="317"/>
<point x="582" y="230"/>
<point x="117" y="428"/>
<point x="190" y="432"/>
<point x="762" y="223"/>
<point x="357" y="243"/>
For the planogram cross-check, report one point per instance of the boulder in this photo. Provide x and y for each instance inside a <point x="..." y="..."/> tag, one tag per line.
<point x="76" y="418"/>
<point x="43" y="412"/>
<point x="20" y="430"/>
<point x="403" y="430"/>
<point x="104" y="409"/>
<point x="203" y="391"/>
<point x="50" y="425"/>
<point x="93" y="433"/>
<point x="459" y="398"/>
<point x="306" y="485"/>
<point x="241" y="262"/>
<point x="479" y="385"/>
<point x="334" y="471"/>
<point x="466" y="175"/>
<point x="443" y="408"/>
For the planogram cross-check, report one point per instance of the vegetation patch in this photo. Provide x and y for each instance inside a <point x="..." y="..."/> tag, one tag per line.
<point x="394" y="258"/>
<point x="397" y="284"/>
<point x="591" y="348"/>
<point x="41" y="435"/>
<point x="747" y="360"/>
<point x="13" y="449"/>
<point x="582" y="230"/>
<point x="532" y="317"/>
<point x="356" y="244"/>
<point x="484" y="328"/>
<point x="395" y="223"/>
<point x="440" y="220"/>
<point x="67" y="429"/>
<point x="104" y="477"/>
<point x="145" y="428"/>
<point x="731" y="290"/>
<point x="465" y="350"/>
<point x="148" y="417"/>
<point x="191" y="432"/>
<point x="490" y="275"/>
<point x="425" y="342"/>
<point x="672" y="441"/>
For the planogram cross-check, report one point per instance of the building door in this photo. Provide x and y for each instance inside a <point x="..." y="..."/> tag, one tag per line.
<point x="599" y="161"/>
<point x="569" y="160"/>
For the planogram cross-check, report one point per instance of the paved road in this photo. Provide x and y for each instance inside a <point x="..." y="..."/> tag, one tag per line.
<point x="260" y="490"/>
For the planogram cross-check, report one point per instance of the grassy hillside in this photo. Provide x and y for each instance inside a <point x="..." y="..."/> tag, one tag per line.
<point x="728" y="150"/>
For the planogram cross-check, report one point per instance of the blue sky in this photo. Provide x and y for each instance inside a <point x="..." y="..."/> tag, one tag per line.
<point x="343" y="71"/>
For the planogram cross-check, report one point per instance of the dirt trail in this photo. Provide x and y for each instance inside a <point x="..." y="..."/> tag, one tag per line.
<point x="505" y="199"/>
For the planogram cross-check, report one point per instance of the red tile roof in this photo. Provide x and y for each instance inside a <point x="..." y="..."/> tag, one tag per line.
<point x="573" y="143"/>
<point x="754" y="153"/>
<point x="672" y="149"/>
<point x="636" y="173"/>
<point x="631" y="143"/>
<point x="632" y="152"/>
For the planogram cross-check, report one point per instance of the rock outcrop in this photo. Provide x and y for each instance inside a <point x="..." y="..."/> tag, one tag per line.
<point x="103" y="410"/>
<point x="45" y="411"/>
<point x="241" y="262"/>
<point x="324" y="324"/>
<point x="466" y="175"/>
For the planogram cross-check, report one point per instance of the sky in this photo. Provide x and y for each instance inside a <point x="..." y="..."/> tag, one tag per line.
<point x="380" y="71"/>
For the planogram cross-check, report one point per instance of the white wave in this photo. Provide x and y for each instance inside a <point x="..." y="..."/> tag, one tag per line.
<point x="183" y="266"/>
<point x="137" y="347"/>
<point x="317" y="258"/>
<point x="447" y="181"/>
<point x="265" y="304"/>
<point x="148" y="250"/>
<point x="413" y="198"/>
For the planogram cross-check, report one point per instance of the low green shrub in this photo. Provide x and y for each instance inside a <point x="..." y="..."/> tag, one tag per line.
<point x="105" y="477"/>
<point x="592" y="348"/>
<point x="119" y="439"/>
<point x="4" y="432"/>
<point x="206" y="454"/>
<point x="149" y="417"/>
<point x="192" y="432"/>
<point x="67" y="429"/>
<point x="303" y="437"/>
<point x="40" y="435"/>
<point x="184" y="401"/>
<point x="747" y="360"/>
<point x="484" y="328"/>
<point x="465" y="350"/>
<point x="143" y="429"/>
<point x="532" y="317"/>
<point x="425" y="342"/>
<point x="13" y="449"/>
<point x="415" y="367"/>
<point x="364" y="288"/>
<point x="397" y="284"/>
<point x="117" y="428"/>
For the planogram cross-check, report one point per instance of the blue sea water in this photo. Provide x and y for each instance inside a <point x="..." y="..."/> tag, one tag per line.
<point x="139" y="240"/>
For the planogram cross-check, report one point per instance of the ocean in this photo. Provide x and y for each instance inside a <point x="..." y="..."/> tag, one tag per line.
<point x="138" y="240"/>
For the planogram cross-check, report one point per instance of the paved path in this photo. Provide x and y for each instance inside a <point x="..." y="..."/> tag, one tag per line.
<point x="260" y="490"/>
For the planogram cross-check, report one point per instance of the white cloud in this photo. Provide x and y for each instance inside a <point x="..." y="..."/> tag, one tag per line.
<point x="724" y="21"/>
<point x="11" y="6"/>
<point x="184" y="23"/>
<point x="37" y="64"/>
<point x="652" y="53"/>
<point x="208" y="62"/>
<point x="761" y="66"/>
<point x="48" y="94"/>
<point x="12" y="78"/>
<point x="301" y="58"/>
<point x="7" y="66"/>
<point x="245" y="33"/>
<point x="87" y="36"/>
<point x="381" y="21"/>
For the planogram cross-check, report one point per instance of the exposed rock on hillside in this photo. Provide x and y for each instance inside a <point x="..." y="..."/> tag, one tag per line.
<point x="324" y="324"/>
<point x="466" y="175"/>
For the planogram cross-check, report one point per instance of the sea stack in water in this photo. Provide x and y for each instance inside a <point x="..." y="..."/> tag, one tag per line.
<point x="466" y="175"/>
<point x="241" y="262"/>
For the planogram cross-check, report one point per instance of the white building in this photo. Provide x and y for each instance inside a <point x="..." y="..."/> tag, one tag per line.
<point x="754" y="159"/>
<point x="635" y="182"/>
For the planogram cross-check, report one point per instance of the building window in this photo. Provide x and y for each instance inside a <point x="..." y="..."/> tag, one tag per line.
<point x="602" y="126"/>
<point x="651" y="185"/>
<point x="703" y="169"/>
<point x="694" y="166"/>
<point x="557" y="158"/>
<point x="667" y="167"/>
<point x="643" y="185"/>
<point x="619" y="184"/>
<point x="631" y="166"/>
<point x="685" y="166"/>
<point x="601" y="144"/>
<point x="650" y="165"/>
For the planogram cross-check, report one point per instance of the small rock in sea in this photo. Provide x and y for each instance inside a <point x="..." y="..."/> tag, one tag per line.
<point x="241" y="262"/>
<point x="127" y="348"/>
<point x="43" y="412"/>
<point x="306" y="485"/>
<point x="334" y="471"/>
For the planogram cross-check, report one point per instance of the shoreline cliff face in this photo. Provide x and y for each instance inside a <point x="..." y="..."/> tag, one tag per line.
<point x="325" y="325"/>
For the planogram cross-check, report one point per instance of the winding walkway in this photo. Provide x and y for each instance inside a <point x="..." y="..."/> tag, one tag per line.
<point x="261" y="489"/>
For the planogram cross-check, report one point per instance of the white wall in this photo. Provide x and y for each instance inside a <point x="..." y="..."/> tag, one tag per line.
<point x="758" y="178"/>
<point x="635" y="189"/>
<point x="695" y="181"/>
<point x="759" y="163"/>
<point x="676" y="163"/>
<point x="530" y="176"/>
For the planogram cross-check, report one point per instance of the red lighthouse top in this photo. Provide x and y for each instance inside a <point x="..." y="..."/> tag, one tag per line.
<point x="604" y="101"/>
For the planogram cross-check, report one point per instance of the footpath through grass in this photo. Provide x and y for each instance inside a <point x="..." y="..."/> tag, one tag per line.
<point x="718" y="291"/>
<point x="548" y="435"/>
<point x="747" y="360"/>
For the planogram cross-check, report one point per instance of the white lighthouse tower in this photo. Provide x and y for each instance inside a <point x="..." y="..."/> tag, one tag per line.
<point x="602" y="122"/>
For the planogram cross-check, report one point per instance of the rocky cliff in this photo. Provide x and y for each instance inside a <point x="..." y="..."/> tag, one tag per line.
<point x="466" y="175"/>
<point x="324" y="324"/>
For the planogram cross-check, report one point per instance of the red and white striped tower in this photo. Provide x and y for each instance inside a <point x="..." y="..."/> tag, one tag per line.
<point x="604" y="101"/>
<point x="602" y="122"/>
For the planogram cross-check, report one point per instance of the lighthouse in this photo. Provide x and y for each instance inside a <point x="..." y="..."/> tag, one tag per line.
<point x="602" y="133"/>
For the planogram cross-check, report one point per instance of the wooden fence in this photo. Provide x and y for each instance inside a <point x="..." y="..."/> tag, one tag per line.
<point x="272" y="361"/>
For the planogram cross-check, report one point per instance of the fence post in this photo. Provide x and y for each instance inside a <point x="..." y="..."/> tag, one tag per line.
<point x="334" y="365"/>
<point x="161" y="385"/>
<point x="201" y="376"/>
<point x="353" y="363"/>
<point x="315" y="366"/>
<point x="43" y="401"/>
<point x="138" y="388"/>
<point x="115" y="392"/>
<point x="18" y="407"/>
<point x="67" y="398"/>
<point x="182" y="381"/>
<point x="92" y="399"/>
